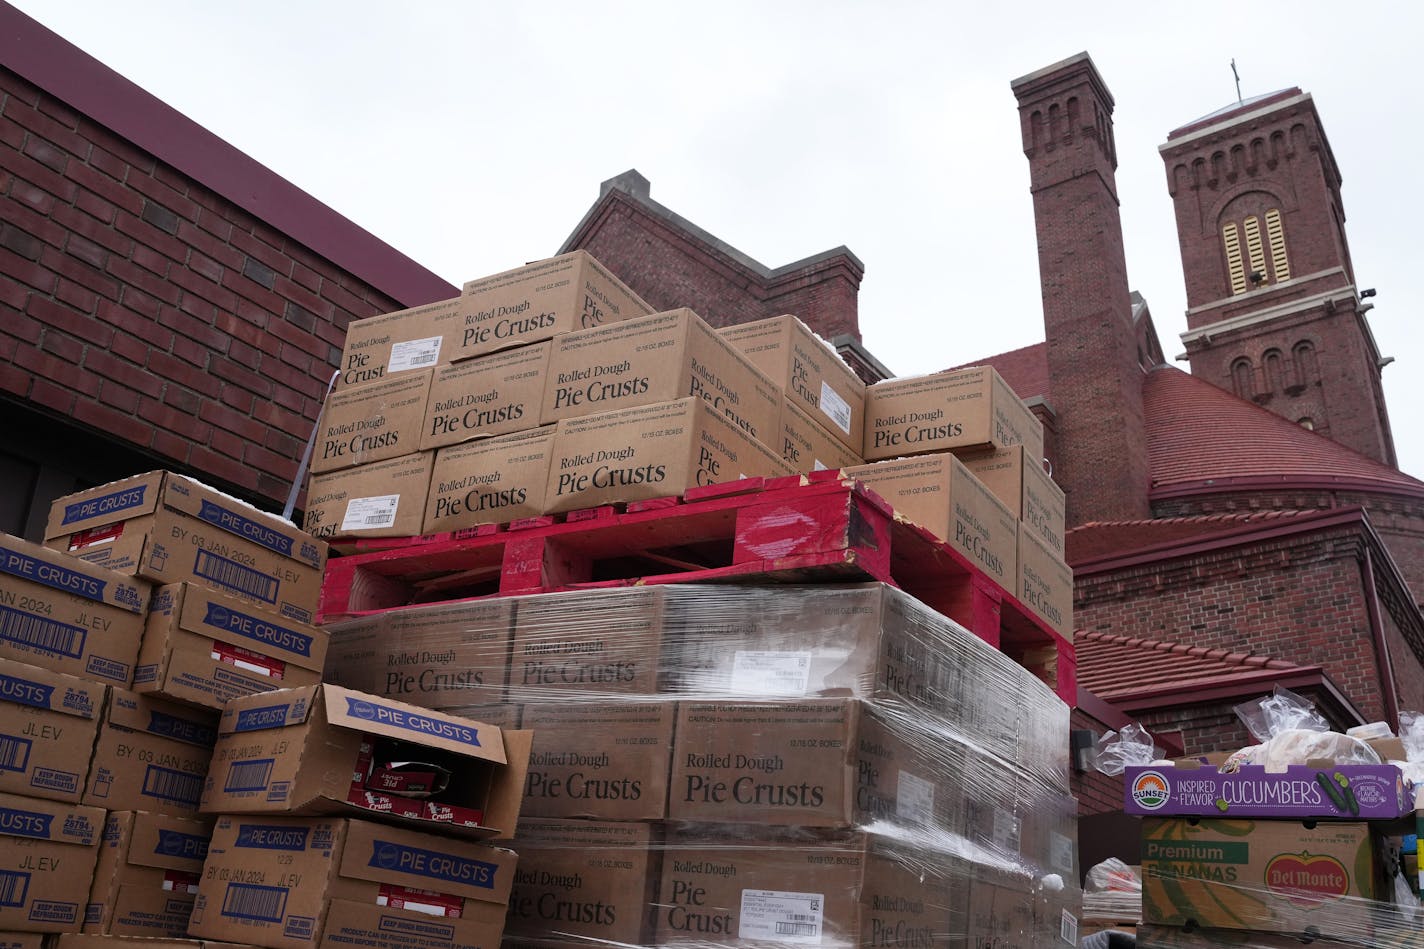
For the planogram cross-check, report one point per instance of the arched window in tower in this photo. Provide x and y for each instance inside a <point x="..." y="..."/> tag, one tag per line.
<point x="1306" y="370"/>
<point x="1235" y="266"/>
<point x="1274" y="369"/>
<point x="1242" y="382"/>
<point x="1276" y="238"/>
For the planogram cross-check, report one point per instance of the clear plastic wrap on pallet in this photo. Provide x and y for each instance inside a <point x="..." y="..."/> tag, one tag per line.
<point x="835" y="760"/>
<point x="700" y="886"/>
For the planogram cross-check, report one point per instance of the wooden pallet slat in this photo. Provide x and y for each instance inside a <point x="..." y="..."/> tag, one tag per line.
<point x="787" y="530"/>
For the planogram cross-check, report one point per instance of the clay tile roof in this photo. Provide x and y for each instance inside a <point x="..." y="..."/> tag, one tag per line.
<point x="1118" y="668"/>
<point x="1199" y="436"/>
<point x="1115" y="538"/>
<point x="1025" y="370"/>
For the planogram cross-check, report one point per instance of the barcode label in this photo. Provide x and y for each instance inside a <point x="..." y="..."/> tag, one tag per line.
<point x="249" y="775"/>
<point x="414" y="354"/>
<point x="369" y="513"/>
<point x="1068" y="930"/>
<point x="763" y="672"/>
<point x="42" y="634"/>
<point x="14" y="753"/>
<point x="835" y="408"/>
<point x="249" y="901"/>
<point x="914" y="799"/>
<point x="786" y="917"/>
<point x="169" y="785"/>
<point x="14" y="888"/>
<point x="234" y="576"/>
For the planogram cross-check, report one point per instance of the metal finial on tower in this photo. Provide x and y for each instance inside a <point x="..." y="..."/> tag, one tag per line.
<point x="1239" y="100"/>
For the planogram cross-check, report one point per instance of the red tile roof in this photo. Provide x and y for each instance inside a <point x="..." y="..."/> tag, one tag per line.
<point x="1025" y="370"/>
<point x="1138" y="673"/>
<point x="1092" y="541"/>
<point x="1202" y="438"/>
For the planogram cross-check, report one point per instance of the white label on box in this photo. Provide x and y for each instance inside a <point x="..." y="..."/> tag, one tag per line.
<point x="1068" y="930"/>
<point x="757" y="672"/>
<point x="367" y="513"/>
<point x="782" y="917"/>
<point x="1060" y="851"/>
<point x="820" y="465"/>
<point x="914" y="798"/>
<point x="414" y="354"/>
<point x="1006" y="831"/>
<point x="836" y="408"/>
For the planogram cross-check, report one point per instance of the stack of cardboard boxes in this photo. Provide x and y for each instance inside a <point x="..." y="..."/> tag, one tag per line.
<point x="130" y="807"/>
<point x="718" y="764"/>
<point x="1270" y="858"/>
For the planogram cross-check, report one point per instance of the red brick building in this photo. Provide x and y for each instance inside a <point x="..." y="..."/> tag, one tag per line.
<point x="166" y="301"/>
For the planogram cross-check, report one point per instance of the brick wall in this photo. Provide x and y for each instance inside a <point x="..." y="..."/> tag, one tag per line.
<point x="144" y="307"/>
<point x="671" y="265"/>
<point x="1399" y="521"/>
<point x="1095" y="375"/>
<point x="1299" y="599"/>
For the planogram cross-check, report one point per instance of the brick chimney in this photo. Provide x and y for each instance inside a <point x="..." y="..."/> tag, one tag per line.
<point x="1095" y="374"/>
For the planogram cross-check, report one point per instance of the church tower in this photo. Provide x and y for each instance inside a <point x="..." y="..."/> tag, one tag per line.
<point x="1095" y="373"/>
<point x="1273" y="311"/>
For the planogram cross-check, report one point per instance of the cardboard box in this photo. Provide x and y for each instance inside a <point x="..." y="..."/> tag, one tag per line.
<point x="1000" y="908"/>
<point x="583" y="882"/>
<point x="1375" y="792"/>
<point x="1044" y="582"/>
<point x="652" y="451"/>
<point x="1173" y="937"/>
<point x="48" y="722"/>
<point x="589" y="645"/>
<point x="868" y="640"/>
<point x="93" y="941"/>
<point x="606" y="761"/>
<point x="46" y="863"/>
<point x="406" y="340"/>
<point x="1269" y="875"/>
<point x="809" y="371"/>
<point x="849" y="890"/>
<point x="486" y="396"/>
<point x="439" y="655"/>
<point x="806" y="445"/>
<point x="328" y="750"/>
<point x="12" y="940"/>
<point x="938" y="493"/>
<point x="68" y="616"/>
<point x="493" y="481"/>
<point x="166" y="528"/>
<point x="320" y="883"/>
<point x="205" y="648"/>
<point x="1018" y="479"/>
<point x="947" y="411"/>
<point x="380" y="499"/>
<point x="151" y="755"/>
<point x="540" y="301"/>
<point x="654" y="359"/>
<point x="147" y="875"/>
<point x="832" y="763"/>
<point x="371" y="422"/>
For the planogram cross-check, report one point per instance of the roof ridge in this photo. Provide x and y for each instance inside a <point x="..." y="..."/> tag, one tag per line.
<point x="1221" y="517"/>
<point x="1259" y="660"/>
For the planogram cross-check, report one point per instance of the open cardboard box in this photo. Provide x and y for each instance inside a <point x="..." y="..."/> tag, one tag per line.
<point x="324" y="749"/>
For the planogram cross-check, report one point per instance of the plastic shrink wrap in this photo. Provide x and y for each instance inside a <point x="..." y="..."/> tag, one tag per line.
<point x="827" y="765"/>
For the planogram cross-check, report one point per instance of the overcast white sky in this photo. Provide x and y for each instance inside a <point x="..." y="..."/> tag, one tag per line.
<point x="473" y="135"/>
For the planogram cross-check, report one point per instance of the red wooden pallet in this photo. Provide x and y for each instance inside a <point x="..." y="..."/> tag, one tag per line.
<point x="812" y="528"/>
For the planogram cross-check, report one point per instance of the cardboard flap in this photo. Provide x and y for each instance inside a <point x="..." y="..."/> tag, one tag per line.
<point x="171" y="842"/>
<point x="263" y="710"/>
<point x="507" y="793"/>
<point x="106" y="504"/>
<point x="25" y="684"/>
<point x="142" y="713"/>
<point x="59" y="571"/>
<point x="243" y="520"/>
<point x="208" y="613"/>
<point x="50" y="820"/>
<point x="389" y="854"/>
<point x="377" y="716"/>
